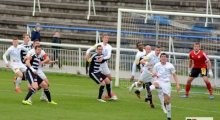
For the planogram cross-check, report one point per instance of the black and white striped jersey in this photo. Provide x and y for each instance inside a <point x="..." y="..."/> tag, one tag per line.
<point x="23" y="53"/>
<point x="94" y="64"/>
<point x="35" y="61"/>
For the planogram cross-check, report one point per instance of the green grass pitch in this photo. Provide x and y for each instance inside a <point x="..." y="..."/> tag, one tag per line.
<point x="76" y="97"/>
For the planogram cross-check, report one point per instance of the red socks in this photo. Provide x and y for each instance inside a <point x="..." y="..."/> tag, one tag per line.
<point x="188" y="86"/>
<point x="209" y="87"/>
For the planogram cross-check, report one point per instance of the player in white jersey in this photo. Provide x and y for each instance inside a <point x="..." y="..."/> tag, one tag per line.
<point x="162" y="72"/>
<point x="15" y="61"/>
<point x="107" y="51"/>
<point x="39" y="71"/>
<point x="141" y="52"/>
<point x="23" y="53"/>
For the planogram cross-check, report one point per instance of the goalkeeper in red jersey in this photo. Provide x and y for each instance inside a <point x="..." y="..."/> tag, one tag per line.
<point x="198" y="65"/>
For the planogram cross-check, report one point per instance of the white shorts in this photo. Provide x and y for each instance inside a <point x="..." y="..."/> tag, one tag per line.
<point x="41" y="74"/>
<point x="145" y="77"/>
<point x="16" y="67"/>
<point x="165" y="86"/>
<point x="104" y="68"/>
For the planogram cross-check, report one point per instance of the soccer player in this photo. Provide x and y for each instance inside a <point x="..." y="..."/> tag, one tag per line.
<point x="149" y="61"/>
<point x="139" y="56"/>
<point x="94" y="72"/>
<point x="199" y="60"/>
<point x="107" y="51"/>
<point x="33" y="62"/>
<point x="162" y="72"/>
<point x="44" y="60"/>
<point x="15" y="62"/>
<point x="23" y="53"/>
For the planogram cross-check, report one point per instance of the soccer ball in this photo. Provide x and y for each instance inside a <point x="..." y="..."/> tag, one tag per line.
<point x="106" y="95"/>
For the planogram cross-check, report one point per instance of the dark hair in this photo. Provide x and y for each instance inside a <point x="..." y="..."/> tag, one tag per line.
<point x="138" y="43"/>
<point x="98" y="46"/>
<point x="36" y="40"/>
<point x="38" y="46"/>
<point x="15" y="38"/>
<point x="157" y="46"/>
<point x="163" y="54"/>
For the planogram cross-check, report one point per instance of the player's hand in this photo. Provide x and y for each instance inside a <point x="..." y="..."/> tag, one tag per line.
<point x="141" y="70"/>
<point x="7" y="65"/>
<point x="87" y="56"/>
<point x="210" y="73"/>
<point x="154" y="74"/>
<point x="35" y="72"/>
<point x="56" y="61"/>
<point x="132" y="78"/>
<point x="177" y="88"/>
<point x="40" y="63"/>
<point x="100" y="59"/>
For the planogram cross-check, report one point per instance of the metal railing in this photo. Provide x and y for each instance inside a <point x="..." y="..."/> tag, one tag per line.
<point x="34" y="7"/>
<point x="89" y="9"/>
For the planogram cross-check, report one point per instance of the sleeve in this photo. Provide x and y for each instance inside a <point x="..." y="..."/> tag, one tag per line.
<point x="172" y="69"/>
<point x="109" y="54"/>
<point x="28" y="54"/>
<point x="133" y="68"/>
<point x="206" y="57"/>
<point x="5" y="55"/>
<point x="53" y="41"/>
<point x="137" y="59"/>
<point x="23" y="48"/>
<point x="44" y="54"/>
<point x="91" y="49"/>
<point x="33" y="33"/>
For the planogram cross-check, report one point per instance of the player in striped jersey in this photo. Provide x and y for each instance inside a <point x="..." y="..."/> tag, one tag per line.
<point x="15" y="61"/>
<point x="94" y="72"/>
<point x="107" y="51"/>
<point x="33" y="62"/>
<point x="23" y="53"/>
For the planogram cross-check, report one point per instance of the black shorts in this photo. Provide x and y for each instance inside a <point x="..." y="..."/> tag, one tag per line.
<point x="196" y="71"/>
<point x="97" y="77"/>
<point x="31" y="77"/>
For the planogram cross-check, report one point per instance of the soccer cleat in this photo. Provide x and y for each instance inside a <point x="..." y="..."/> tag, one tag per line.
<point x="168" y="118"/>
<point x="152" y="105"/>
<point x="184" y="96"/>
<point x="101" y="100"/>
<point x="52" y="102"/>
<point x="164" y="109"/>
<point x="18" y="90"/>
<point x="132" y="87"/>
<point x="42" y="98"/>
<point x="112" y="94"/>
<point x="138" y="94"/>
<point x="25" y="102"/>
<point x="113" y="98"/>
<point x="211" y="97"/>
<point x="15" y="78"/>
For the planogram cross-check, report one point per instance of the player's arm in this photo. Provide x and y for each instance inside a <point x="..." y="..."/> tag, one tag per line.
<point x="145" y="59"/>
<point x="109" y="54"/>
<point x="173" y="71"/>
<point x="46" y="58"/>
<point x="89" y="50"/>
<point x="51" y="61"/>
<point x="190" y="64"/>
<point x="209" y="65"/>
<point x="5" y="57"/>
<point x="23" y="48"/>
<point x="28" y="60"/>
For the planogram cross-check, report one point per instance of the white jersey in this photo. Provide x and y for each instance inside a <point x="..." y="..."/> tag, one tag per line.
<point x="107" y="50"/>
<point x="153" y="59"/>
<point x="14" y="53"/>
<point x="139" y="55"/>
<point x="164" y="71"/>
<point x="32" y="52"/>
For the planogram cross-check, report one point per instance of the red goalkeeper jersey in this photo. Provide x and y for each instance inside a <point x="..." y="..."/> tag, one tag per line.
<point x="199" y="59"/>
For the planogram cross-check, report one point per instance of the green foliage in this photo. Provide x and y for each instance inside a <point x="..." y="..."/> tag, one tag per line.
<point x="76" y="97"/>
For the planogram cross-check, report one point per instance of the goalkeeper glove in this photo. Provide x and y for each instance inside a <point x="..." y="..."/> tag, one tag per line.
<point x="210" y="73"/>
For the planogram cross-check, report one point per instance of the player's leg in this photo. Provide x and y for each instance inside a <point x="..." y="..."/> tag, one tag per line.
<point x="45" y="87"/>
<point x="194" y="73"/>
<point x="168" y="106"/>
<point x="17" y="71"/>
<point x="161" y="97"/>
<point x="204" y="73"/>
<point x="43" y="77"/>
<point x="166" y="88"/>
<point x="149" y="97"/>
<point x="32" y="79"/>
<point x="139" y="83"/>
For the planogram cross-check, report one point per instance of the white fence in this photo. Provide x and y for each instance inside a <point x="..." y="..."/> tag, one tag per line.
<point x="73" y="60"/>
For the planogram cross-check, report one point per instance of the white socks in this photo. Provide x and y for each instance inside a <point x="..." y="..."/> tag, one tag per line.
<point x="168" y="107"/>
<point x="161" y="97"/>
<point x="42" y="94"/>
<point x="152" y="87"/>
<point x="18" y="81"/>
